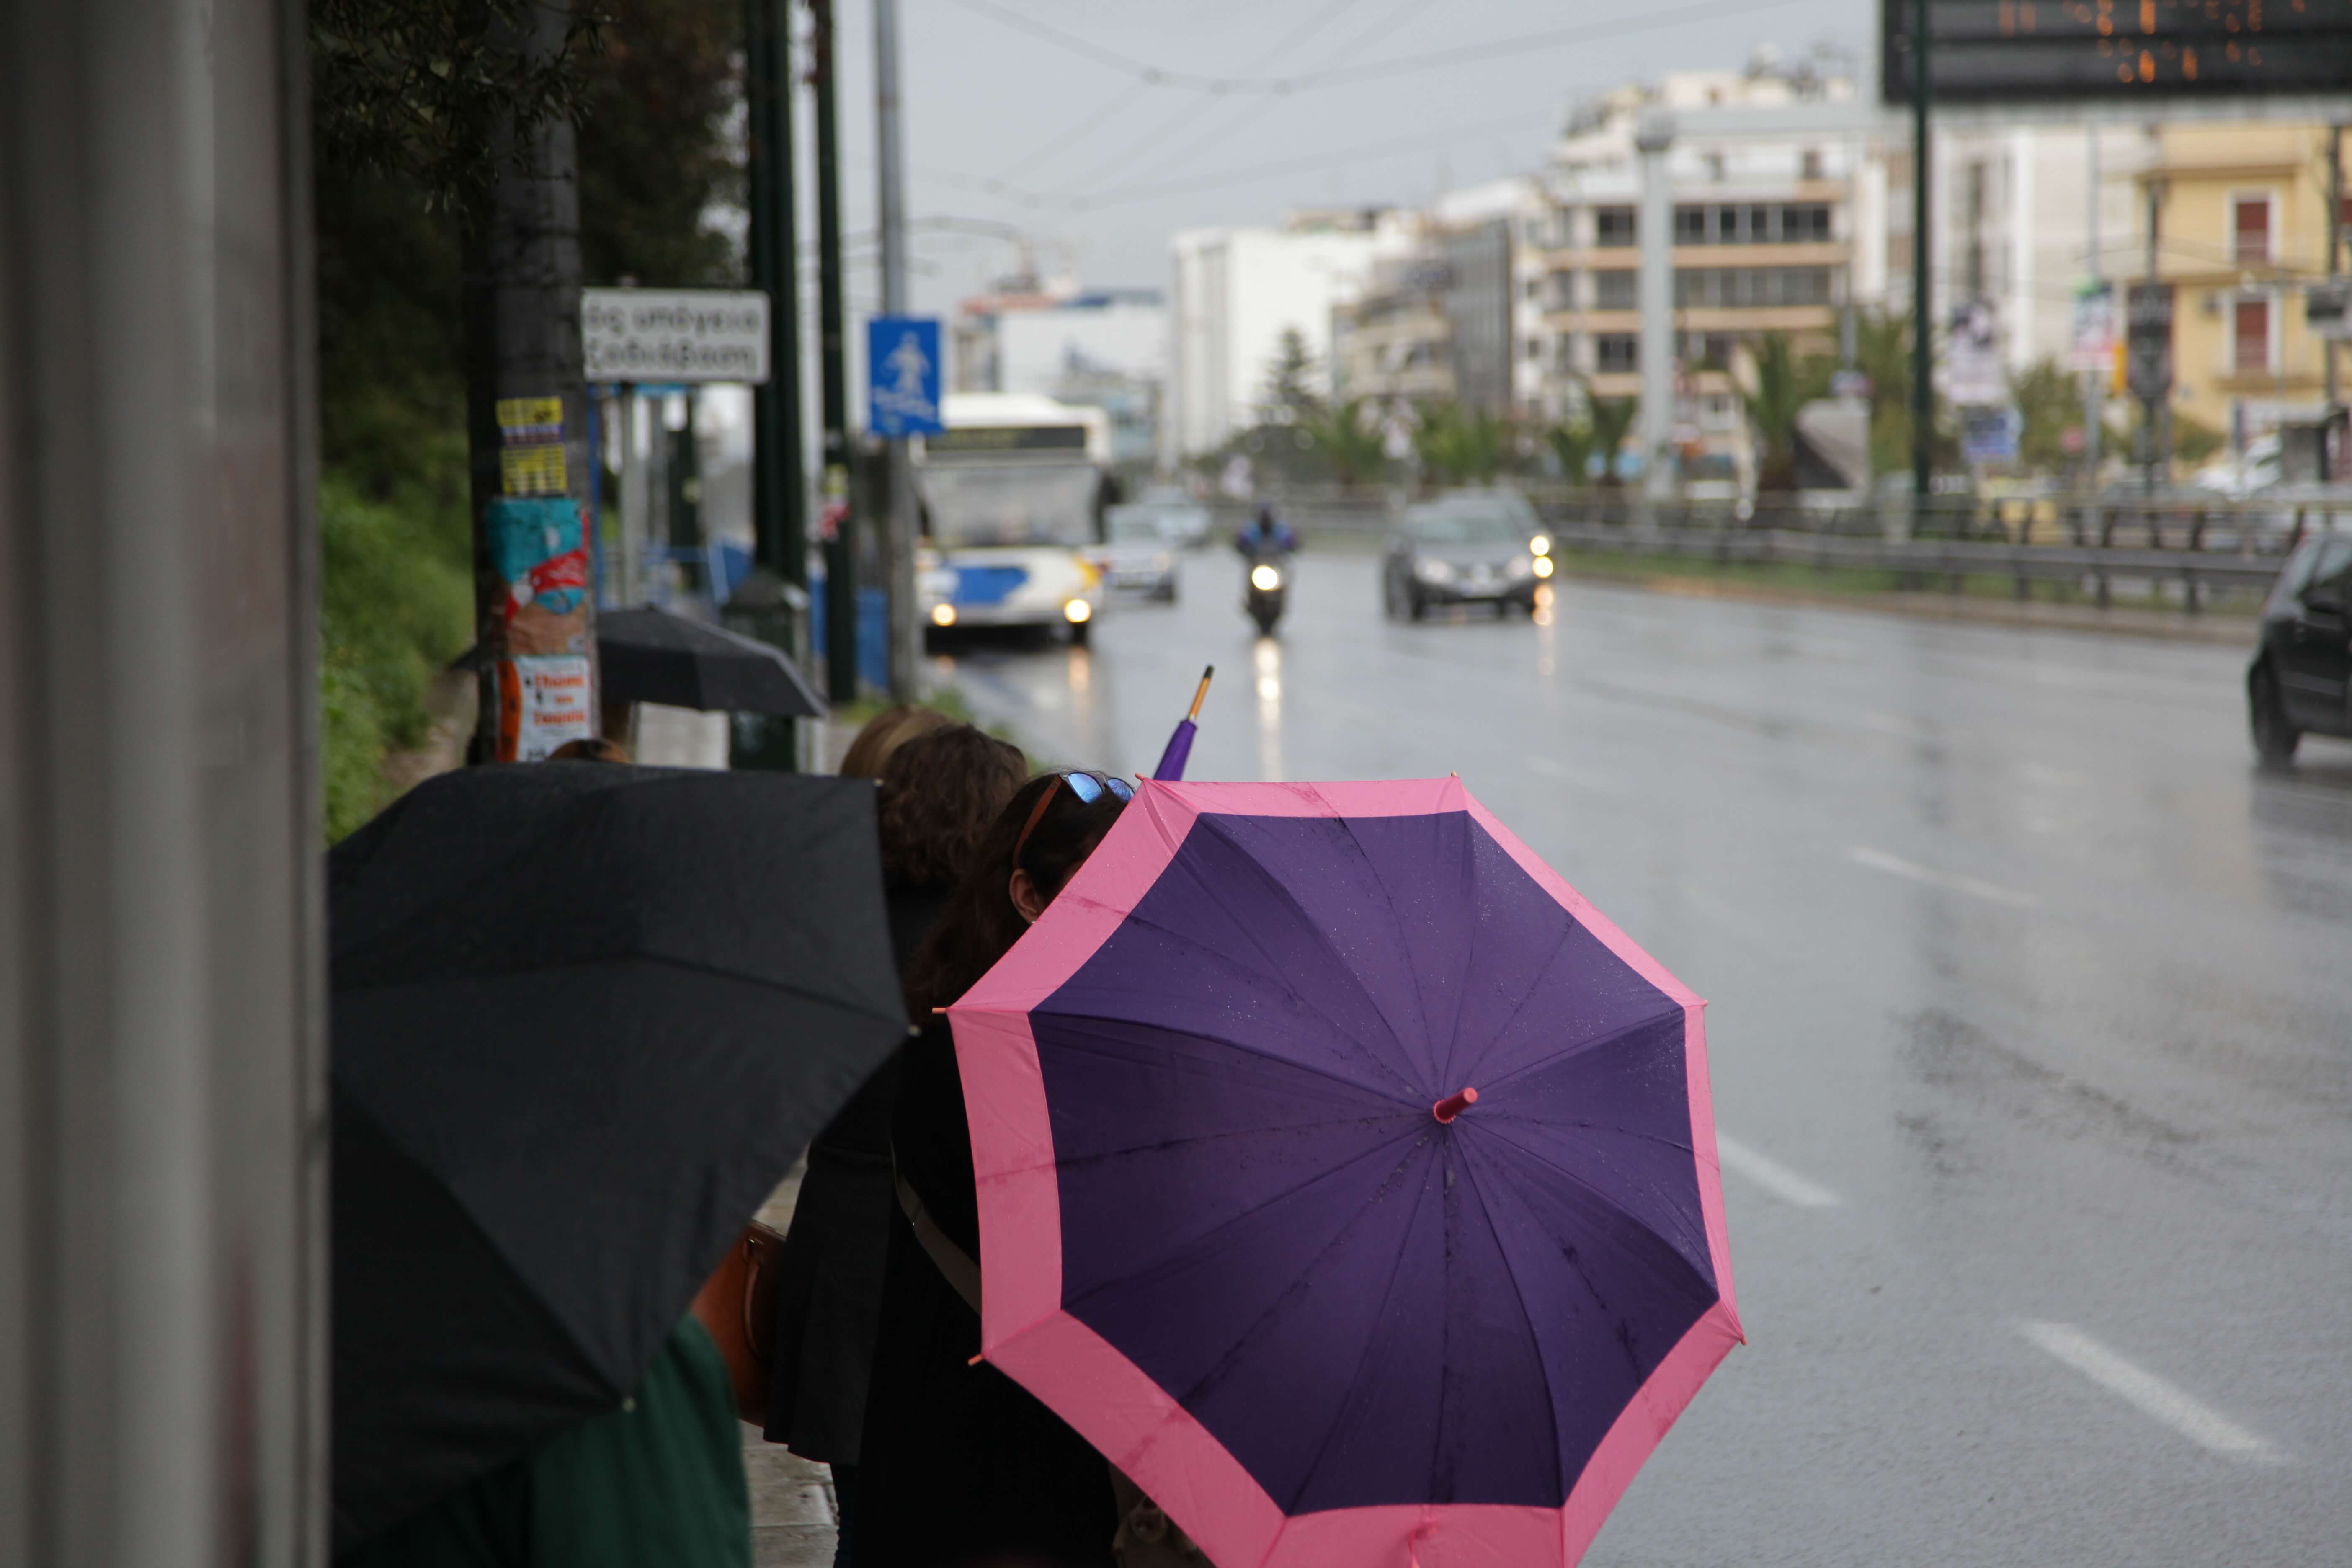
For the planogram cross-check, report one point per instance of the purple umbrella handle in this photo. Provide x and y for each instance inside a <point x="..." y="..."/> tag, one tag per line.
<point x="1180" y="745"/>
<point x="1179" y="753"/>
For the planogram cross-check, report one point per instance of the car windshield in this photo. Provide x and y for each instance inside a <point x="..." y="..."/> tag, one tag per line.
<point x="1134" y="525"/>
<point x="1465" y="524"/>
<point x="979" y="504"/>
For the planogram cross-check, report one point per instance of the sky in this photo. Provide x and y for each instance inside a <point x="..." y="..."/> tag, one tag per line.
<point x="1097" y="129"/>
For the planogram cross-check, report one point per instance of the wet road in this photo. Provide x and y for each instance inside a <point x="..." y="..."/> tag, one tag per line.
<point x="2031" y="1017"/>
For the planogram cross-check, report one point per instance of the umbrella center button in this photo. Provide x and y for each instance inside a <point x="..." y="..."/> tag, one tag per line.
<point x="1453" y="1105"/>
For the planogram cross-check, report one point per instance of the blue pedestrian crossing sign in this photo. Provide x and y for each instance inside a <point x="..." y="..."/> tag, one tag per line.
<point x="902" y="375"/>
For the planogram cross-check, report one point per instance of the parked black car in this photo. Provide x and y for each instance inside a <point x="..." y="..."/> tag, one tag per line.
<point x="1483" y="547"/>
<point x="2301" y="673"/>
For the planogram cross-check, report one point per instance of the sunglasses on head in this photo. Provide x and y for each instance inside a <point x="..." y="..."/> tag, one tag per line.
<point x="1088" y="787"/>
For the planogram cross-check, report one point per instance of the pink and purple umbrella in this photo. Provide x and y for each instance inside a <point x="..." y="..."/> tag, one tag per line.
<point x="1248" y="1228"/>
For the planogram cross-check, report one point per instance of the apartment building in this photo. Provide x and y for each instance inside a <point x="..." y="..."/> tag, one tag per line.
<point x="1772" y="232"/>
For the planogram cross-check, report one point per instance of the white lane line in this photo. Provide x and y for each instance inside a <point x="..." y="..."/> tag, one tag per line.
<point x="1895" y="866"/>
<point x="2148" y="1393"/>
<point x="1773" y="1176"/>
<point x="1579" y="778"/>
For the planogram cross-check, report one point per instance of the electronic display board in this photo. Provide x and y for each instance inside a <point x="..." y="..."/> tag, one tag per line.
<point x="1992" y="51"/>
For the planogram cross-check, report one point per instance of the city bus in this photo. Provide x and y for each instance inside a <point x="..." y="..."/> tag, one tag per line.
<point x="1013" y="493"/>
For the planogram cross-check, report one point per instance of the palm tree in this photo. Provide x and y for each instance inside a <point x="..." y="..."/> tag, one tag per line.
<point x="1461" y="445"/>
<point x="1573" y="444"/>
<point x="1612" y="420"/>
<point x="1350" y="439"/>
<point x="1784" y="384"/>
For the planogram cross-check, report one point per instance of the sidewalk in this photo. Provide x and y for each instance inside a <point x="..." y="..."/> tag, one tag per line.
<point x="794" y="1517"/>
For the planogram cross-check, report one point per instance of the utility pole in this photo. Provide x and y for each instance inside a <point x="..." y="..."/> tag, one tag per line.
<point x="1653" y="138"/>
<point x="1923" y="365"/>
<point x="2151" y="449"/>
<point x="773" y="604"/>
<point x="2335" y="235"/>
<point x="526" y="424"/>
<point x="841" y="532"/>
<point x="779" y="508"/>
<point x="899" y="535"/>
<point x="2094" y="390"/>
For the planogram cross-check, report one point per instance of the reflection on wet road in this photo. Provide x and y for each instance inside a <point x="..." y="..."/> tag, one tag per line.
<point x="2030" y="1022"/>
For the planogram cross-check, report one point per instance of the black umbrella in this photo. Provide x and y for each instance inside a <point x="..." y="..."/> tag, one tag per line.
<point x="652" y="656"/>
<point x="584" y="1016"/>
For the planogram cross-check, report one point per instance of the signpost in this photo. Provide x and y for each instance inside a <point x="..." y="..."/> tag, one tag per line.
<point x="902" y="377"/>
<point x="674" y="334"/>
<point x="2147" y="353"/>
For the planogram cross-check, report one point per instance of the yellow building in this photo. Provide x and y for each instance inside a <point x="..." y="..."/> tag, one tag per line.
<point x="2242" y="230"/>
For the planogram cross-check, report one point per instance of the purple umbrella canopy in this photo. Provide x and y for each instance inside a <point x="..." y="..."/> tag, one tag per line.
<point x="1246" y="1227"/>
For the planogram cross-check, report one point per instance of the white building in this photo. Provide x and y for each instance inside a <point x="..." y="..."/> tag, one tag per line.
<point x="2014" y="217"/>
<point x="1238" y="290"/>
<point x="1105" y="348"/>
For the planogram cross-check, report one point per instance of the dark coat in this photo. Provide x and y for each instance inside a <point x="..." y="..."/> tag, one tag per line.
<point x="959" y="1462"/>
<point x="829" y="1277"/>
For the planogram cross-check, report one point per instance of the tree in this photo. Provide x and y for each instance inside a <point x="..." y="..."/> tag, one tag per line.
<point x="1461" y="445"/>
<point x="1784" y="384"/>
<point x="2049" y="400"/>
<point x="1289" y="394"/>
<point x="1612" y="421"/>
<point x="1350" y="439"/>
<point x="1573" y="444"/>
<point x="417" y="89"/>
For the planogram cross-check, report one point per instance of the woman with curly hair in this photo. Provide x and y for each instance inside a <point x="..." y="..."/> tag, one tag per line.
<point x="938" y="792"/>
<point x="960" y="1464"/>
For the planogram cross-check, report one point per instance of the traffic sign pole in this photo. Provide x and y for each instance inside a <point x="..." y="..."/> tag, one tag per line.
<point x="899" y="532"/>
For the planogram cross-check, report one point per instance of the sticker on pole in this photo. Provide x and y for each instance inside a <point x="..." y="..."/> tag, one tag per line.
<point x="902" y="374"/>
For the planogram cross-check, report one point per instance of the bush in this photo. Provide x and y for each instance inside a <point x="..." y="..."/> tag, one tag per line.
<point x="395" y="604"/>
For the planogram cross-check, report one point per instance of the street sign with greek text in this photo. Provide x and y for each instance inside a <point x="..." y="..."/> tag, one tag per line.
<point x="674" y="334"/>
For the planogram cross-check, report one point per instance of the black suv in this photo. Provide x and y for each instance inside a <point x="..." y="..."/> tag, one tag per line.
<point x="2301" y="673"/>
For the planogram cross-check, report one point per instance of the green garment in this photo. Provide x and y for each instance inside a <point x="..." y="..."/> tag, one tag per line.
<point x="657" y="1482"/>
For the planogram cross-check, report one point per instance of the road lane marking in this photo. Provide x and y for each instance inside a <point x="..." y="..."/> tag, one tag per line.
<point x="1579" y="778"/>
<point x="1773" y="1176"/>
<point x="1895" y="866"/>
<point x="2148" y="1393"/>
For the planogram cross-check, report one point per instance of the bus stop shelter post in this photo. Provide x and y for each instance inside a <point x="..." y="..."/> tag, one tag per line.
<point x="899" y="529"/>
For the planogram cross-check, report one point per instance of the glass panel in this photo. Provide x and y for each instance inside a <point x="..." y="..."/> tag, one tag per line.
<point x="1010" y="503"/>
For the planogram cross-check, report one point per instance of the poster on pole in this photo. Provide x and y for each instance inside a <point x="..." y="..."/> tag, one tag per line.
<point x="902" y="377"/>
<point x="1972" y="359"/>
<point x="2093" y="336"/>
<point x="2148" y="352"/>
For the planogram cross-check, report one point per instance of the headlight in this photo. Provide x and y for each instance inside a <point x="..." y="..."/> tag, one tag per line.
<point x="1077" y="612"/>
<point x="1543" y="566"/>
<point x="1539" y="545"/>
<point x="942" y="614"/>
<point x="1433" y="571"/>
<point x="1264" y="579"/>
<point x="1519" y="567"/>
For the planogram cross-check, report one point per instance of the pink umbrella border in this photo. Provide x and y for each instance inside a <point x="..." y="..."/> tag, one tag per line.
<point x="1090" y="1384"/>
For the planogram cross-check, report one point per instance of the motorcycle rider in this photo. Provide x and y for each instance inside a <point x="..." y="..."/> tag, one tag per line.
<point x="1265" y="534"/>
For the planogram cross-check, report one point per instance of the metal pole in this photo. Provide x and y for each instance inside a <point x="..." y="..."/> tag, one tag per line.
<point x="841" y="534"/>
<point x="2335" y="229"/>
<point x="527" y="426"/>
<point x="1653" y="136"/>
<point x="2095" y="390"/>
<point x="899" y="536"/>
<point x="1923" y="388"/>
<point x="2150" y="406"/>
<point x="779" y="505"/>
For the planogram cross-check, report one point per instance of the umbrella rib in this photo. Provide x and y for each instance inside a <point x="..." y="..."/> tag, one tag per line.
<point x="1559" y="945"/>
<point x="1595" y="1194"/>
<point x="1413" y="1093"/>
<point x="1583" y="1047"/>
<point x="1388" y="1294"/>
<point x="1518" y="1296"/>
<point x="1191" y="1250"/>
<point x="1396" y="916"/>
<point x="1412" y="1090"/>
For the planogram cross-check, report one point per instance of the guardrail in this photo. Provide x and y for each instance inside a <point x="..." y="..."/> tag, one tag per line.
<point x="2205" y="544"/>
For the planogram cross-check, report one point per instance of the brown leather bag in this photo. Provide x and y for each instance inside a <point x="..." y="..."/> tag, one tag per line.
<point x="737" y="1305"/>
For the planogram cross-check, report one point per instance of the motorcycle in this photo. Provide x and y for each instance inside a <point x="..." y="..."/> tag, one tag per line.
<point x="1268" y="580"/>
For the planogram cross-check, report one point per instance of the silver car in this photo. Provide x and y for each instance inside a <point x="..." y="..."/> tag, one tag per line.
<point x="1139" y="557"/>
